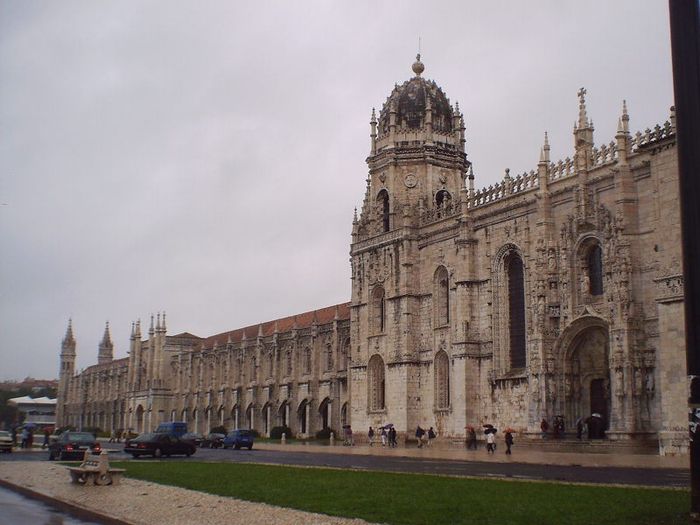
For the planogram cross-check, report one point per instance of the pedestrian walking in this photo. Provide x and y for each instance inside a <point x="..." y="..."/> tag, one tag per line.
<point x="46" y="438"/>
<point x="544" y="427"/>
<point x="382" y="436"/>
<point x="24" y="437"/>
<point x="392" y="438"/>
<point x="370" y="436"/>
<point x="509" y="440"/>
<point x="431" y="436"/>
<point x="471" y="438"/>
<point x="419" y="436"/>
<point x="112" y="437"/>
<point x="490" y="443"/>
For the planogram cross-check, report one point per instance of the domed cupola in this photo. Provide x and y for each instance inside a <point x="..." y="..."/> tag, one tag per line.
<point x="415" y="104"/>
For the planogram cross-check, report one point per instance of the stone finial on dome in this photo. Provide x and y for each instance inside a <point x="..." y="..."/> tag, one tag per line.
<point x="418" y="66"/>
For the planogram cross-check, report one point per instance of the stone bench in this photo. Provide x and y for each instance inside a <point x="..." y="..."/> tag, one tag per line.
<point x="95" y="471"/>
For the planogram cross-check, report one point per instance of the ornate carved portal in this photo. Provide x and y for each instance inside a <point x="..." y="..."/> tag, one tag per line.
<point x="586" y="381"/>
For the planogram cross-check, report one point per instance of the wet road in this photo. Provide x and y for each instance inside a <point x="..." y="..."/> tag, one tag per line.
<point x="678" y="478"/>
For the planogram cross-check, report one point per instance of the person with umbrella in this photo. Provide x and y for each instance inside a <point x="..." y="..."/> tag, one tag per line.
<point x="490" y="432"/>
<point x="382" y="435"/>
<point x="419" y="436"/>
<point x="509" y="440"/>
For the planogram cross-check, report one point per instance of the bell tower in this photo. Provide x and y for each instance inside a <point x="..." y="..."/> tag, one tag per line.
<point x="65" y="375"/>
<point x="417" y="172"/>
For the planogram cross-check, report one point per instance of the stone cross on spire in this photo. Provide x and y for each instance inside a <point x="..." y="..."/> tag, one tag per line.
<point x="582" y="115"/>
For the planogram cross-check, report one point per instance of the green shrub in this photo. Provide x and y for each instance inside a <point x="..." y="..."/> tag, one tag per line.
<point x="325" y="433"/>
<point x="276" y="432"/>
<point x="96" y="431"/>
<point x="218" y="430"/>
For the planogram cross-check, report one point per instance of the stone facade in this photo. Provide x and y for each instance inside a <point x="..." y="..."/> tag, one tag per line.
<point x="291" y="371"/>
<point x="555" y="292"/>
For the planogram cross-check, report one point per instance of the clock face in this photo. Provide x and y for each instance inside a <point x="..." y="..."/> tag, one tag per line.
<point x="410" y="180"/>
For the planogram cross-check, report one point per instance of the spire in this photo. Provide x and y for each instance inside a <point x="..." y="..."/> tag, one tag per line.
<point x="107" y="338"/>
<point x="373" y="132"/>
<point x="162" y="325"/>
<point x="623" y="126"/>
<point x="105" y="352"/>
<point x="68" y="344"/>
<point x="151" y="330"/>
<point x="582" y="115"/>
<point x="544" y="152"/>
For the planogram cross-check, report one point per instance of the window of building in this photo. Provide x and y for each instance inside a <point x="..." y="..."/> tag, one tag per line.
<point x="307" y="360"/>
<point x="344" y="353"/>
<point x="383" y="208"/>
<point x="443" y="199"/>
<point x="289" y="362"/>
<point x="375" y="382"/>
<point x="378" y="307"/>
<point x="442" y="297"/>
<point x="595" y="270"/>
<point x="329" y="357"/>
<point x="516" y="309"/>
<point x="442" y="380"/>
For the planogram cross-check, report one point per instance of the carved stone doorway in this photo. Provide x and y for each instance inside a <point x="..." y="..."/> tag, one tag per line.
<point x="587" y="377"/>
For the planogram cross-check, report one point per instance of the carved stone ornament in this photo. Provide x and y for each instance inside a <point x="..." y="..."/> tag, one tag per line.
<point x="410" y="181"/>
<point x="382" y="177"/>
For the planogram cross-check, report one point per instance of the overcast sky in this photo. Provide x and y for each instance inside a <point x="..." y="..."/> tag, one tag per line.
<point x="204" y="158"/>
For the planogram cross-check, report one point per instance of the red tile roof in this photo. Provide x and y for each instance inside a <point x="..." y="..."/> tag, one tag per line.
<point x="305" y="320"/>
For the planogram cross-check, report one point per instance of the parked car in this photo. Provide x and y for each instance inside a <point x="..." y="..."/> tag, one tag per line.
<point x="157" y="445"/>
<point x="193" y="437"/>
<point x="213" y="440"/>
<point x="174" y="428"/>
<point x="239" y="438"/>
<point x="72" y="445"/>
<point x="5" y="441"/>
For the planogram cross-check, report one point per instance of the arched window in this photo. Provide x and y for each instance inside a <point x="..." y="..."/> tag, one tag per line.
<point x="383" y="208"/>
<point x="442" y="381"/>
<point x="375" y="382"/>
<point x="595" y="270"/>
<point x="253" y="366"/>
<point x="442" y="298"/>
<point x="378" y="307"/>
<point x="289" y="362"/>
<point x="329" y="357"/>
<point x="516" y="309"/>
<point x="443" y="199"/>
<point x="307" y="360"/>
<point x="344" y="353"/>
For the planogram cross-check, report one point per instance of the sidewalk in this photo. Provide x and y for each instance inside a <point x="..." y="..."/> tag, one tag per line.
<point x="525" y="454"/>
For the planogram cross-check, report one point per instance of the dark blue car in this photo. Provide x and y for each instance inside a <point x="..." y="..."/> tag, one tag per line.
<point x="238" y="439"/>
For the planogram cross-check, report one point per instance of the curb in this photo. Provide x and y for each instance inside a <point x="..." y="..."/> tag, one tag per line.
<point x="64" y="506"/>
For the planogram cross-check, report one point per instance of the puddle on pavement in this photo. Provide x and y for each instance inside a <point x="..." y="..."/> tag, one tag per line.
<point x="17" y="508"/>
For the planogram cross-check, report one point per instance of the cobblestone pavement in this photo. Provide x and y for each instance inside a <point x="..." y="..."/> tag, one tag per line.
<point x="139" y="502"/>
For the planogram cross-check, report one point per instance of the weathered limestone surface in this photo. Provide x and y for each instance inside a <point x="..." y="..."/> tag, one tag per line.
<point x="556" y="292"/>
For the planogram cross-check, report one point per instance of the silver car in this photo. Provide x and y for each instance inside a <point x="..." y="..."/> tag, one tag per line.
<point x="5" y="441"/>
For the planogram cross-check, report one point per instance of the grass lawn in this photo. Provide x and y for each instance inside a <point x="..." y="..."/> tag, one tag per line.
<point x="415" y="498"/>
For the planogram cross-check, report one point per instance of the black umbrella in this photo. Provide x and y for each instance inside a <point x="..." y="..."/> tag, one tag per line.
<point x="490" y="430"/>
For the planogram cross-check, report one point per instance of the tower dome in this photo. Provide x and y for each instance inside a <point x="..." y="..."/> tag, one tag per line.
<point x="411" y="102"/>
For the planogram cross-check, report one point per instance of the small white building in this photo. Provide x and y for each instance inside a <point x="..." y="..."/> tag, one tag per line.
<point x="41" y="410"/>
